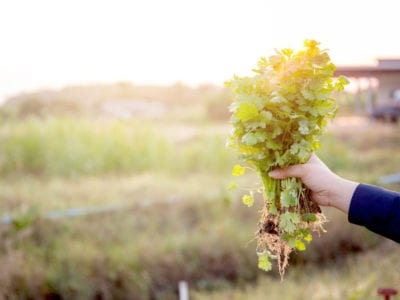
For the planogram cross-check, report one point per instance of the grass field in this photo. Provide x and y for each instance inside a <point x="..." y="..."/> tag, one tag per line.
<point x="175" y="219"/>
<point x="357" y="277"/>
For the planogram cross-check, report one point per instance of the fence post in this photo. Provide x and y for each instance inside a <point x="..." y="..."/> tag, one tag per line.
<point x="183" y="290"/>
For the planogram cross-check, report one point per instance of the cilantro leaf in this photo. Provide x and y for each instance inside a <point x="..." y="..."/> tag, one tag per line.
<point x="238" y="170"/>
<point x="248" y="200"/>
<point x="288" y="221"/>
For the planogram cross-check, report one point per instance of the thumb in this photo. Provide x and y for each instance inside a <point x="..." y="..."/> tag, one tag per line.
<point x="291" y="171"/>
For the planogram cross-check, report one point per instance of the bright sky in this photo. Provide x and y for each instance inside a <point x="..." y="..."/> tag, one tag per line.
<point x="50" y="43"/>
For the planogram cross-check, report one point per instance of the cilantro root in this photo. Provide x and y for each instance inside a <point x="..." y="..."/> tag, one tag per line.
<point x="277" y="116"/>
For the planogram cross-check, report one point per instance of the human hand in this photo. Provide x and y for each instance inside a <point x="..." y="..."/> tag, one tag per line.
<point x="327" y="188"/>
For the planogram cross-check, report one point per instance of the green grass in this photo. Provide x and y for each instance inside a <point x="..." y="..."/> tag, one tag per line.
<point x="357" y="278"/>
<point x="152" y="245"/>
<point x="80" y="147"/>
<point x="58" y="193"/>
<point x="178" y="221"/>
<point x="363" y="152"/>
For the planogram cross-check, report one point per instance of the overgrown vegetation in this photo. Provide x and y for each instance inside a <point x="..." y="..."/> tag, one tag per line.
<point x="91" y="100"/>
<point x="77" y="147"/>
<point x="170" y="216"/>
<point x="355" y="278"/>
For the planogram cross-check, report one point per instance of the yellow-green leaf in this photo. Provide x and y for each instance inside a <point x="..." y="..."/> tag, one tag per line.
<point x="238" y="170"/>
<point x="308" y="238"/>
<point x="248" y="200"/>
<point x="232" y="186"/>
<point x="300" y="245"/>
<point x="263" y="262"/>
<point x="246" y="112"/>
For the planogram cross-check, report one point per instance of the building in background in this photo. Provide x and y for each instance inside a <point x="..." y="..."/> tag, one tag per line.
<point x="382" y="85"/>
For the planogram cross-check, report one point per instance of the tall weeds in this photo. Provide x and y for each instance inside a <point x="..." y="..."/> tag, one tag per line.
<point x="70" y="147"/>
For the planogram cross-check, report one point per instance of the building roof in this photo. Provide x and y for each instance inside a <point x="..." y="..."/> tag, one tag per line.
<point x="384" y="66"/>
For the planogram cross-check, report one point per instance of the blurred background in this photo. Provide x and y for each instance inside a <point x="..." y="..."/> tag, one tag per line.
<point x="113" y="165"/>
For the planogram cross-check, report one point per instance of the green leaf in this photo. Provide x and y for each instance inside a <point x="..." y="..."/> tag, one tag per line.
<point x="277" y="131"/>
<point x="238" y="170"/>
<point x="246" y="112"/>
<point x="308" y="237"/>
<point x="316" y="145"/>
<point x="341" y="82"/>
<point x="303" y="127"/>
<point x="252" y="125"/>
<point x="275" y="60"/>
<point x="308" y="217"/>
<point x="321" y="109"/>
<point x="288" y="197"/>
<point x="277" y="98"/>
<point x="307" y="94"/>
<point x="266" y="116"/>
<point x="249" y="139"/>
<point x="343" y="79"/>
<point x="271" y="144"/>
<point x="288" y="221"/>
<point x="232" y="186"/>
<point x="322" y="94"/>
<point x="260" y="136"/>
<point x="300" y="245"/>
<point x="295" y="148"/>
<point x="290" y="239"/>
<point x="263" y="63"/>
<point x="303" y="155"/>
<point x="248" y="200"/>
<point x="287" y="52"/>
<point x="252" y="138"/>
<point x="263" y="261"/>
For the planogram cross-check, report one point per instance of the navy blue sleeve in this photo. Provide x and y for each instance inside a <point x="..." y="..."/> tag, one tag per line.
<point x="377" y="209"/>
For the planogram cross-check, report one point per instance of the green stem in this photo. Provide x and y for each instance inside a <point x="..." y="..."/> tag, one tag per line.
<point x="271" y="191"/>
<point x="300" y="194"/>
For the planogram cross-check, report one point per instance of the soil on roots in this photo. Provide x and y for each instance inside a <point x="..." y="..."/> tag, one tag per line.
<point x="269" y="235"/>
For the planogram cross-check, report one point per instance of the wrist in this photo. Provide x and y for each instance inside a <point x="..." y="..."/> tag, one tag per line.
<point x="344" y="194"/>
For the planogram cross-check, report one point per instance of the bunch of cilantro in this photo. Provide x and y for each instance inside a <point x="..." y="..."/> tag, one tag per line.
<point x="277" y="116"/>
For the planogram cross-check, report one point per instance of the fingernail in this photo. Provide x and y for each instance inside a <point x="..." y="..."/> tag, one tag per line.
<point x="273" y="173"/>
